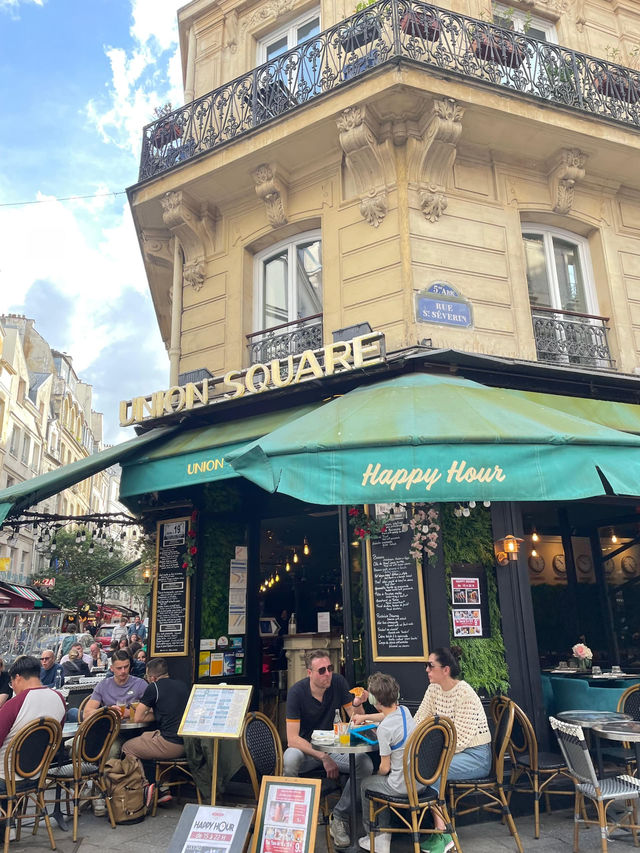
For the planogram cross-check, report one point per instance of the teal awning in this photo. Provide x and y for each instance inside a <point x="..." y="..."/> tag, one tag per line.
<point x="23" y="495"/>
<point x="441" y="438"/>
<point x="198" y="455"/>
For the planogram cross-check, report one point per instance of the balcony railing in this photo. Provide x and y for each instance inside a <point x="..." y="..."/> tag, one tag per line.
<point x="285" y="339"/>
<point x="391" y="30"/>
<point x="568" y="337"/>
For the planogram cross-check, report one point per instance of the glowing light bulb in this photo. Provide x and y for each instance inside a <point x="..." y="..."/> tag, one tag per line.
<point x="306" y="550"/>
<point x="486" y="503"/>
<point x="535" y="537"/>
<point x="472" y="504"/>
<point x="287" y="568"/>
<point x="534" y="553"/>
<point x="614" y="538"/>
<point x="277" y="578"/>
<point x="295" y="557"/>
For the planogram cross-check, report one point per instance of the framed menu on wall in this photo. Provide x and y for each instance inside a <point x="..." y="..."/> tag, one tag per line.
<point x="170" y="612"/>
<point x="396" y="596"/>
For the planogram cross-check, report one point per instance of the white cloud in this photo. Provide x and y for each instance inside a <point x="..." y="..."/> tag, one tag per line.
<point x="11" y="6"/>
<point x="143" y="77"/>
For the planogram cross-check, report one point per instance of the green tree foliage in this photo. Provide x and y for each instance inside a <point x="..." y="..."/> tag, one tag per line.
<point x="77" y="572"/>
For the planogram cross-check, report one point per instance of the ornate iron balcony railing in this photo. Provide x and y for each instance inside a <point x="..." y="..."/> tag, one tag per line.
<point x="568" y="337"/>
<point x="391" y="30"/>
<point x="285" y="339"/>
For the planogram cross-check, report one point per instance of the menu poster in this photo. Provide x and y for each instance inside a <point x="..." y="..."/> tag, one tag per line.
<point x="287" y="815"/>
<point x="216" y="710"/>
<point x="211" y="829"/>
<point x="396" y="595"/>
<point x="467" y="623"/>
<point x="465" y="590"/>
<point x="169" y="634"/>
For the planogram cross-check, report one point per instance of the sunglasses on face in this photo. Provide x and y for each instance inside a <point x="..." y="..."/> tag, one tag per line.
<point x="429" y="665"/>
<point x="322" y="669"/>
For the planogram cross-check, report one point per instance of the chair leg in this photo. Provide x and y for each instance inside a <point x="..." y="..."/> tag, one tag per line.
<point x="509" y="818"/>
<point x="578" y="811"/>
<point x="47" y="822"/>
<point x="602" y="820"/>
<point x="76" y="808"/>
<point x="536" y="808"/>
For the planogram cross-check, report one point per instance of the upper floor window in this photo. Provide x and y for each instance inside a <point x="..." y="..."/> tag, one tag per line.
<point x="26" y="449"/>
<point x="287" y="37"/>
<point x="558" y="269"/>
<point x="564" y="308"/>
<point x="15" y="442"/>
<point x="524" y="22"/>
<point x="289" y="281"/>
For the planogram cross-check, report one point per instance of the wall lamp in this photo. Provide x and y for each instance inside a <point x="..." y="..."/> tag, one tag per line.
<point x="506" y="549"/>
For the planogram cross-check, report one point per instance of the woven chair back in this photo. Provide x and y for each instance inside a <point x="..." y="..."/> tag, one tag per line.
<point x="31" y="751"/>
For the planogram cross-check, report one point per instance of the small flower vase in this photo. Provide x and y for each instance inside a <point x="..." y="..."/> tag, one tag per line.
<point x="582" y="664"/>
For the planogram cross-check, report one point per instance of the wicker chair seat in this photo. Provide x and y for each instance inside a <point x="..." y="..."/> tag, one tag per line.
<point x="65" y="771"/>
<point x="614" y="788"/>
<point x="546" y="761"/>
<point x="425" y="796"/>
<point x="480" y="780"/>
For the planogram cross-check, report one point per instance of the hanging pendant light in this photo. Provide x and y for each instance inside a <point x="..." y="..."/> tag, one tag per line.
<point x="306" y="550"/>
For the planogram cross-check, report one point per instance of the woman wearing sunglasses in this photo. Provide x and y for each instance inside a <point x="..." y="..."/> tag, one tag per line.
<point x="451" y="697"/>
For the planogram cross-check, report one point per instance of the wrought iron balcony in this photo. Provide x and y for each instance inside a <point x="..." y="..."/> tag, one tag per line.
<point x="285" y="339"/>
<point x="389" y="31"/>
<point x="568" y="337"/>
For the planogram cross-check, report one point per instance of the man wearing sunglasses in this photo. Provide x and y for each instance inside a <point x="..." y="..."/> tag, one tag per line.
<point x="311" y="705"/>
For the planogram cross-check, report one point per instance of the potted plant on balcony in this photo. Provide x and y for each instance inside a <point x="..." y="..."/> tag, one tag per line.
<point x="165" y="131"/>
<point x="421" y="23"/>
<point x="616" y="84"/>
<point x="363" y="32"/>
<point x="496" y="42"/>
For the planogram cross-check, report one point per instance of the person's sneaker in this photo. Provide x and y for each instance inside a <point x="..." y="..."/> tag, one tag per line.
<point x="164" y="796"/>
<point x="148" y="797"/>
<point x="439" y="843"/>
<point x="339" y="830"/>
<point x="99" y="807"/>
<point x="382" y="842"/>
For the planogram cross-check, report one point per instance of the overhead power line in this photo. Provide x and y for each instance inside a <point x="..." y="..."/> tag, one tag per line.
<point x="61" y="198"/>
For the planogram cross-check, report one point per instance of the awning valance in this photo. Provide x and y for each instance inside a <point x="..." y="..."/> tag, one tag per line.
<point x="23" y="495"/>
<point x="426" y="437"/>
<point x="198" y="455"/>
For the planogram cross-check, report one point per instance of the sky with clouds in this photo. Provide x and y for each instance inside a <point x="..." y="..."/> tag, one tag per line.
<point x="80" y="79"/>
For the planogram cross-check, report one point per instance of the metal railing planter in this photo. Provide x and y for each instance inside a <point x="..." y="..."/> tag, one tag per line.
<point x="391" y="30"/>
<point x="285" y="339"/>
<point x="569" y="337"/>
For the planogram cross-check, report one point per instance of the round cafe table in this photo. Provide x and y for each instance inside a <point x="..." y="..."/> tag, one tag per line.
<point x="591" y="719"/>
<point x="624" y="730"/>
<point x="351" y="751"/>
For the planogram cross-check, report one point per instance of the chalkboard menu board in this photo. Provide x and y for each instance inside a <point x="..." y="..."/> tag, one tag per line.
<point x="169" y="634"/>
<point x="396" y="596"/>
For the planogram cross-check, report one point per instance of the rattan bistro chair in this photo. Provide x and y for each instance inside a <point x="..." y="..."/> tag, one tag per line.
<point x="89" y="752"/>
<point x="491" y="788"/>
<point x="26" y="763"/>
<point x="602" y="792"/>
<point x="533" y="771"/>
<point x="426" y="758"/>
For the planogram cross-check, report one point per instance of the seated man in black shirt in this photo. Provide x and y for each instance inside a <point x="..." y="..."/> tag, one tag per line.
<point x="311" y="704"/>
<point x="165" y="699"/>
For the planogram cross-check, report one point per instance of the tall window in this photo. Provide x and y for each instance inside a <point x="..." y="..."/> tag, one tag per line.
<point x="26" y="449"/>
<point x="14" y="446"/>
<point x="523" y="22"/>
<point x="558" y="270"/>
<point x="296" y="78"/>
<point x="289" y="281"/>
<point x="287" y="37"/>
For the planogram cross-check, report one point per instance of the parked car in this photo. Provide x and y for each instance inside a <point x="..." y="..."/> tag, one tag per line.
<point x="104" y="635"/>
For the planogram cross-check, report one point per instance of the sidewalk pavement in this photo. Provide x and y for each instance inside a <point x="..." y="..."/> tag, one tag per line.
<point x="154" y="834"/>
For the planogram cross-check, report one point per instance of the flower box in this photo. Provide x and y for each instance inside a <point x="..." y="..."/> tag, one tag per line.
<point x="494" y="47"/>
<point x="421" y="24"/>
<point x="165" y="133"/>
<point x="360" y="34"/>
<point x="615" y="85"/>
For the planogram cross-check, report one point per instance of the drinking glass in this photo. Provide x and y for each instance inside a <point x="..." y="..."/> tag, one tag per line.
<point x="563" y="665"/>
<point x="595" y="670"/>
<point x="616" y="670"/>
<point x="343" y="734"/>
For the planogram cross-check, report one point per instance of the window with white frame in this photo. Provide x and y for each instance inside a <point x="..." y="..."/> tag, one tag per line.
<point x="14" y="446"/>
<point x="293" y="80"/>
<point x="289" y="281"/>
<point x="26" y="449"/>
<point x="524" y="22"/>
<point x="559" y="273"/>
<point x="288" y="36"/>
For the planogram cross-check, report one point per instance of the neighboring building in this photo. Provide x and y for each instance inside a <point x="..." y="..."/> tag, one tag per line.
<point x="46" y="420"/>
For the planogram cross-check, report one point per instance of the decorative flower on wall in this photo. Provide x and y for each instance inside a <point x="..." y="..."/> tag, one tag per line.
<point x="424" y="524"/>
<point x="364" y="526"/>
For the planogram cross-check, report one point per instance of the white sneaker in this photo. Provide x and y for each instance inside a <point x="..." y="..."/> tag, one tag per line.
<point x="99" y="807"/>
<point x="339" y="830"/>
<point x="382" y="842"/>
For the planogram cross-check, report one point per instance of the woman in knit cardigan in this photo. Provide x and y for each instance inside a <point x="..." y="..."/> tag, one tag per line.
<point x="450" y="697"/>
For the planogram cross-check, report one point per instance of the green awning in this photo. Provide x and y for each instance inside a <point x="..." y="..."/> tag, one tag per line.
<point x="441" y="438"/>
<point x="198" y="455"/>
<point x="109" y="579"/>
<point x="23" y="495"/>
<point x="622" y="416"/>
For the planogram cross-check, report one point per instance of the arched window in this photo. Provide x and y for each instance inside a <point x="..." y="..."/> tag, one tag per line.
<point x="564" y="307"/>
<point x="288" y="296"/>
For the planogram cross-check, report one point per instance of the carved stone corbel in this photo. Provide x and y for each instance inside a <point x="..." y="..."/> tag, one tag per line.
<point x="194" y="228"/>
<point x="432" y="155"/>
<point x="568" y="167"/>
<point x="273" y="191"/>
<point x="156" y="247"/>
<point x="365" y="159"/>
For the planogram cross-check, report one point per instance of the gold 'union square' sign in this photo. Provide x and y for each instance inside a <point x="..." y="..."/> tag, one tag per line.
<point x="339" y="357"/>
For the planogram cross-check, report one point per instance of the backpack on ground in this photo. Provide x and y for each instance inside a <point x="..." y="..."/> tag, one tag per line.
<point x="125" y="789"/>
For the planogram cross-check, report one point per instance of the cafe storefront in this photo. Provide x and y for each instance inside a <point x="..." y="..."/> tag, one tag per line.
<point x="359" y="501"/>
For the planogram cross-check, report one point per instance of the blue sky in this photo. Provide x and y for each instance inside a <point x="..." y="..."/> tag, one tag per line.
<point x="80" y="79"/>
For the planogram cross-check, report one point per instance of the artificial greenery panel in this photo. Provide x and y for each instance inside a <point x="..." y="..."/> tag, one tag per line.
<point x="470" y="540"/>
